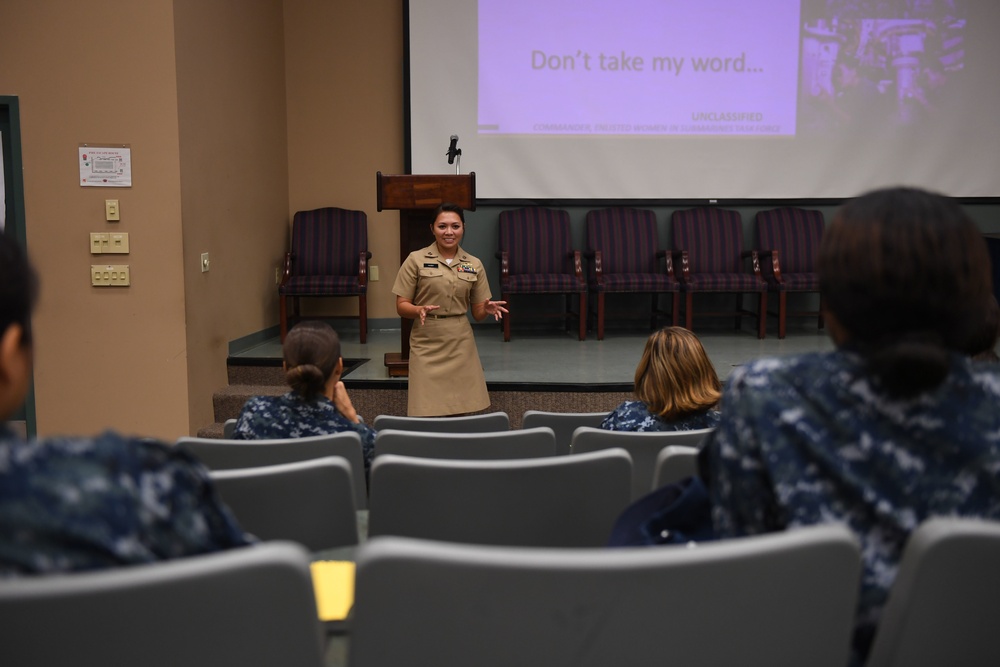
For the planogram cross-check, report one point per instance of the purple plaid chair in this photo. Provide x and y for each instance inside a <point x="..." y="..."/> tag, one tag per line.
<point x="537" y="257"/>
<point x="625" y="256"/>
<point x="709" y="257"/>
<point x="792" y="235"/>
<point x="328" y="257"/>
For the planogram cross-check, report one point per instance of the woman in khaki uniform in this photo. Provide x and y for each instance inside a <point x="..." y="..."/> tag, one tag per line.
<point x="437" y="285"/>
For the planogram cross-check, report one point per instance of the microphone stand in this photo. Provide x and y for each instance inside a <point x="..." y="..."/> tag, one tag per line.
<point x="458" y="161"/>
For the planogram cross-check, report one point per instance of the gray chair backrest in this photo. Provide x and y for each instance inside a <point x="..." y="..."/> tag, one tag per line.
<point x="674" y="463"/>
<point x="247" y="606"/>
<point x="228" y="429"/>
<point x="490" y="421"/>
<point x="780" y="599"/>
<point x="563" y="423"/>
<point x="551" y="501"/>
<point x="643" y="447"/>
<point x="220" y="454"/>
<point x="309" y="502"/>
<point x="517" y="444"/>
<point x="944" y="604"/>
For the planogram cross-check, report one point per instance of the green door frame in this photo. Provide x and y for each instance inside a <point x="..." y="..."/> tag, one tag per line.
<point x="13" y="177"/>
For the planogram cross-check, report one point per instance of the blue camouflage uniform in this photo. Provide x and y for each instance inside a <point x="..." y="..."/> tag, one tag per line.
<point x="89" y="503"/>
<point x="291" y="416"/>
<point x="635" y="416"/>
<point x="811" y="439"/>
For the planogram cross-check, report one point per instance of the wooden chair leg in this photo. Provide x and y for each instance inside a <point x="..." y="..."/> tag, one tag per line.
<point x="762" y="316"/>
<point x="583" y="316"/>
<point x="739" y="310"/>
<point x="688" y="311"/>
<point x="822" y="323"/>
<point x="363" y="317"/>
<point x="600" y="316"/>
<point x="675" y="308"/>
<point x="652" y="317"/>
<point x="782" y="312"/>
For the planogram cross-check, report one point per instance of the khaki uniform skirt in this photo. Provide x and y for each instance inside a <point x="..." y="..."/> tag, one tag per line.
<point x="446" y="376"/>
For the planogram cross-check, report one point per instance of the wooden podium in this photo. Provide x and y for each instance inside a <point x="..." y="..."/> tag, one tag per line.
<point x="416" y="196"/>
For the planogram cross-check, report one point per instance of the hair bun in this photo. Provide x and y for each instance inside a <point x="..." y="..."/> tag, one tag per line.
<point x="913" y="363"/>
<point x="306" y="379"/>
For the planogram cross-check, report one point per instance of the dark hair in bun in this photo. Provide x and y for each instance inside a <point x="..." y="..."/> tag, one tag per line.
<point x="311" y="351"/>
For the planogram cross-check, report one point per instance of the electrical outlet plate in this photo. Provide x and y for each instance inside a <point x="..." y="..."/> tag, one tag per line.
<point x="118" y="243"/>
<point x="111" y="211"/>
<point x="100" y="242"/>
<point x="110" y="275"/>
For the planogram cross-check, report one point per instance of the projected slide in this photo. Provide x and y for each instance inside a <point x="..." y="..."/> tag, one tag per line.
<point x="683" y="67"/>
<point x="706" y="99"/>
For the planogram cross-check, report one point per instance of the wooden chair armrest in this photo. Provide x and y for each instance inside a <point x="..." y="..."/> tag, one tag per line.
<point x="363" y="267"/>
<point x="598" y="264"/>
<point x="504" y="264"/>
<point x="772" y="255"/>
<point x="682" y="268"/>
<point x="669" y="260"/>
<point x="754" y="256"/>
<point x="577" y="265"/>
<point x="286" y="270"/>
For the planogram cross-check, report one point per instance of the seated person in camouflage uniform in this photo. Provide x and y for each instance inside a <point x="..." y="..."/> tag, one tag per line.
<point x="318" y="403"/>
<point x="75" y="503"/>
<point x="675" y="384"/>
<point x="896" y="424"/>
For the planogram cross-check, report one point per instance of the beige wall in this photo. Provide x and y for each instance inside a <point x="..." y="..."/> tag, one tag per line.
<point x="234" y="179"/>
<point x="238" y="113"/>
<point x="344" y="74"/>
<point x="101" y="72"/>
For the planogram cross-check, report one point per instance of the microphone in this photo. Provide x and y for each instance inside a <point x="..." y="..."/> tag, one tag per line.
<point x="452" y="149"/>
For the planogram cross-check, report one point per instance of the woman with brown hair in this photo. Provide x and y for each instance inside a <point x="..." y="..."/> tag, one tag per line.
<point x="317" y="404"/>
<point x="676" y="387"/>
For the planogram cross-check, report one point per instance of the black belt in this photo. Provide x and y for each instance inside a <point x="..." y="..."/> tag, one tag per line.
<point x="442" y="317"/>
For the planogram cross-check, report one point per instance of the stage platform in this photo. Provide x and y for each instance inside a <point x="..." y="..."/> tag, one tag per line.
<point x="543" y="370"/>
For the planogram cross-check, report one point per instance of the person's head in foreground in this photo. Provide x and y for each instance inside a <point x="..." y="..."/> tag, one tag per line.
<point x="675" y="378"/>
<point x="904" y="274"/>
<point x="18" y="292"/>
<point x="312" y="359"/>
<point x="88" y="502"/>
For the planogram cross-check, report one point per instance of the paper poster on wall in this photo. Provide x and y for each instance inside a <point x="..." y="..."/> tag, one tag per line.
<point x="105" y="166"/>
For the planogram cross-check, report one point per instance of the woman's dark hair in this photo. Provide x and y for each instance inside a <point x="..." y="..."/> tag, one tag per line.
<point x="448" y="207"/>
<point x="18" y="287"/>
<point x="311" y="350"/>
<point x="906" y="273"/>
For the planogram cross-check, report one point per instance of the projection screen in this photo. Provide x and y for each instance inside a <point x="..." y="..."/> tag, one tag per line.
<point x="705" y="99"/>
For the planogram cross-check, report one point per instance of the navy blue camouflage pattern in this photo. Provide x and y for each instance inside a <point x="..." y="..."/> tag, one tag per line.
<point x="811" y="439"/>
<point x="635" y="416"/>
<point x="291" y="416"/>
<point x="74" y="503"/>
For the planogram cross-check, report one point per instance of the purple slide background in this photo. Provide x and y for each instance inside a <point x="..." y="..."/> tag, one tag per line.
<point x="516" y="96"/>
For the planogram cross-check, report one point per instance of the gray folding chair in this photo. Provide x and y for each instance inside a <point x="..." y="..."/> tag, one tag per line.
<point x="247" y="606"/>
<point x="228" y="429"/>
<point x="309" y="502"/>
<point x="517" y="444"/>
<point x="643" y="447"/>
<point x="218" y="454"/>
<point x="490" y="421"/>
<point x="553" y="501"/>
<point x="562" y="423"/>
<point x="780" y="599"/>
<point x="945" y="602"/>
<point x="674" y="463"/>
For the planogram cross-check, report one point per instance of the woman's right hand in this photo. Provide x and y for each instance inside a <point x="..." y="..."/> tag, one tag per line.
<point x="423" y="310"/>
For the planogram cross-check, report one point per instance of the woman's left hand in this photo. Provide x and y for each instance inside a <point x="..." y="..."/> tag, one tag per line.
<point x="496" y="309"/>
